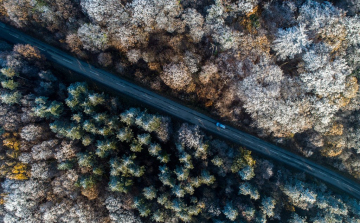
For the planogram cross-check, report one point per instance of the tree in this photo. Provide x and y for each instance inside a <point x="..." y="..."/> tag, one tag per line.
<point x="176" y="76"/>
<point x="105" y="59"/>
<point x="194" y="21"/>
<point x="93" y="38"/>
<point x="86" y="159"/>
<point x="295" y="218"/>
<point x="230" y="212"/>
<point x="32" y="132"/>
<point x="300" y="194"/>
<point x="149" y="192"/>
<point x="181" y="173"/>
<point x="206" y="178"/>
<point x="47" y="109"/>
<point x="125" y="135"/>
<point x="67" y="129"/>
<point x="104" y="147"/>
<point x="248" y="189"/>
<point x="144" y="139"/>
<point x="8" y="72"/>
<point x="117" y="212"/>
<point x="268" y="206"/>
<point x="128" y="117"/>
<point x="247" y="173"/>
<point x="9" y="84"/>
<point x="10" y="98"/>
<point x="291" y="41"/>
<point x="28" y="51"/>
<point x="154" y="149"/>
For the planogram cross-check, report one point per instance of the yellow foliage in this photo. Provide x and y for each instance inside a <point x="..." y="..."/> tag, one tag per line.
<point x="332" y="149"/>
<point x="352" y="87"/>
<point x="251" y="21"/>
<point x="336" y="130"/>
<point x="12" y="143"/>
<point x="3" y="11"/>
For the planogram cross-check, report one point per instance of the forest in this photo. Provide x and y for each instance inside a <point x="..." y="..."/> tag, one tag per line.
<point x="70" y="153"/>
<point x="285" y="71"/>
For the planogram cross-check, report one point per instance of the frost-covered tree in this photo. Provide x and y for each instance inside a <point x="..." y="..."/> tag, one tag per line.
<point x="295" y="218"/>
<point x="23" y="200"/>
<point x="118" y="213"/>
<point x="290" y="42"/>
<point x="176" y="76"/>
<point x="247" y="173"/>
<point x="268" y="206"/>
<point x="230" y="211"/>
<point x="10" y="98"/>
<point x="125" y="135"/>
<point x="300" y="194"/>
<point x="248" y="189"/>
<point x="93" y="38"/>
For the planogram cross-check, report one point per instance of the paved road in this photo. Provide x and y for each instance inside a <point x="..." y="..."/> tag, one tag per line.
<point x="185" y="113"/>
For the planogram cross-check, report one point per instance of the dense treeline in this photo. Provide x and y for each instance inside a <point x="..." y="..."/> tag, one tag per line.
<point x="286" y="70"/>
<point x="72" y="154"/>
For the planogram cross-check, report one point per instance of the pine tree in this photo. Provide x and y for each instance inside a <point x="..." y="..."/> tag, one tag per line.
<point x="10" y="98"/>
<point x="104" y="147"/>
<point x="206" y="178"/>
<point x="154" y="149"/>
<point x="9" y="84"/>
<point x="149" y="192"/>
<point x="230" y="212"/>
<point x="8" y="72"/>
<point x="144" y="139"/>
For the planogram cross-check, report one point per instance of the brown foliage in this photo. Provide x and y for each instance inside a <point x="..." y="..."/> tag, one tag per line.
<point x="28" y="51"/>
<point x="91" y="193"/>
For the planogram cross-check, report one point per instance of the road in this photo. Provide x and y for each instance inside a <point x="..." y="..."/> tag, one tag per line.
<point x="166" y="105"/>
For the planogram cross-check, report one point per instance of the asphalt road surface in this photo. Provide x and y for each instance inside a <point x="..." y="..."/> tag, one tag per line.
<point x="148" y="97"/>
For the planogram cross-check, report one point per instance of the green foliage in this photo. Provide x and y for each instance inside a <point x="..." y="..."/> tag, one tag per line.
<point x="144" y="139"/>
<point x="67" y="165"/>
<point x="149" y="192"/>
<point x="87" y="182"/>
<point x="66" y="129"/>
<point x="104" y="147"/>
<point x="120" y="184"/>
<point x="8" y="72"/>
<point x="178" y="191"/>
<point x="9" y="84"/>
<point x="135" y="146"/>
<point x="181" y="173"/>
<point x="47" y="109"/>
<point x="10" y="98"/>
<point x="86" y="159"/>
<point x="242" y="160"/>
<point x="128" y="117"/>
<point x="125" y="135"/>
<point x="230" y="212"/>
<point x="158" y="216"/>
<point x="154" y="149"/>
<point x="165" y="176"/>
<point x="87" y="140"/>
<point x="163" y="157"/>
<point x="126" y="166"/>
<point x="206" y="178"/>
<point x="217" y="161"/>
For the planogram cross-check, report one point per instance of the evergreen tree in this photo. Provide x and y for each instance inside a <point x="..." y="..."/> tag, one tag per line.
<point x="154" y="149"/>
<point x="10" y="98"/>
<point x="230" y="212"/>
<point x="9" y="84"/>
<point x="149" y="192"/>
<point x="104" y="147"/>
